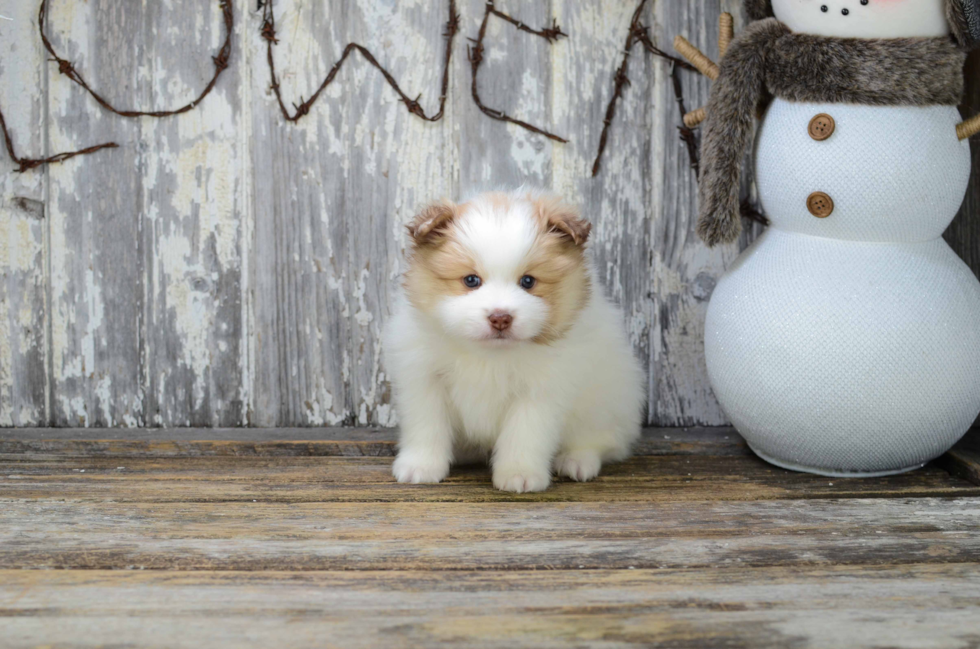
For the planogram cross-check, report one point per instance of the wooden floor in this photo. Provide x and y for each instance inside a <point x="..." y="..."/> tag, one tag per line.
<point x="300" y="538"/>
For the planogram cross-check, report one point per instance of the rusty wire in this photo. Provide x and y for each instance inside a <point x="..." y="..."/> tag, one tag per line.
<point x="637" y="34"/>
<point x="24" y="164"/>
<point x="687" y="134"/>
<point x="67" y="68"/>
<point x="303" y="108"/>
<point x="221" y="61"/>
<point x="550" y="34"/>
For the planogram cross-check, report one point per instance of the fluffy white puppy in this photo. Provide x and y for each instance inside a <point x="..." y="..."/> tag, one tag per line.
<point x="504" y="347"/>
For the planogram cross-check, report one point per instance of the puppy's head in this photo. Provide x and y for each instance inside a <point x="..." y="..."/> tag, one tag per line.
<point x="501" y="268"/>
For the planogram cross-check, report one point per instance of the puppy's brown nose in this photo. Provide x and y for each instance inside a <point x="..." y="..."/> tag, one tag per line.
<point x="500" y="320"/>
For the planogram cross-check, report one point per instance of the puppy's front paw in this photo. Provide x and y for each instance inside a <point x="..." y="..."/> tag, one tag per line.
<point x="520" y="479"/>
<point x="415" y="468"/>
<point x="578" y="465"/>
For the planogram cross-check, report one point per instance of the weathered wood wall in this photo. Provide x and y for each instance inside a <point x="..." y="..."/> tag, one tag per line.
<point x="227" y="268"/>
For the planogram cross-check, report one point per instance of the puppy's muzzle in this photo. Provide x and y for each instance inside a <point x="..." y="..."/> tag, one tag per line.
<point x="500" y="320"/>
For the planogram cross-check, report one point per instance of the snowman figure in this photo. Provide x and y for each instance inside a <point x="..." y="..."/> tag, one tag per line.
<point x="846" y="340"/>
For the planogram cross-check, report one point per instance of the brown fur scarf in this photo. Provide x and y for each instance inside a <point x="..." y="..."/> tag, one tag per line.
<point x="767" y="58"/>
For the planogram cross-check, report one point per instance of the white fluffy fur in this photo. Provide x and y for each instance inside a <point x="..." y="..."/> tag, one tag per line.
<point x="568" y="404"/>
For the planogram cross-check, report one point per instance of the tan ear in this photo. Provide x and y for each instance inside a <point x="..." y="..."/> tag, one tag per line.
<point x="432" y="221"/>
<point x="564" y="219"/>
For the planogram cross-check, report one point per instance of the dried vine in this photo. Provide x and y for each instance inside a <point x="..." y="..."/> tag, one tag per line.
<point x="687" y="134"/>
<point x="24" y="164"/>
<point x="68" y="69"/>
<point x="637" y="34"/>
<point x="550" y="34"/>
<point x="269" y="34"/>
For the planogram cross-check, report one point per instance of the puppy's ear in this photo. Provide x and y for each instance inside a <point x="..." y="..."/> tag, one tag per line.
<point x="432" y="222"/>
<point x="558" y="216"/>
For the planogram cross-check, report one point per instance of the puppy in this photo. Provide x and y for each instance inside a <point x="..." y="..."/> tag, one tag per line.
<point x="504" y="348"/>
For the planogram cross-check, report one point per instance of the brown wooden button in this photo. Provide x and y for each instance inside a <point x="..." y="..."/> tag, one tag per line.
<point x="820" y="205"/>
<point x="821" y="127"/>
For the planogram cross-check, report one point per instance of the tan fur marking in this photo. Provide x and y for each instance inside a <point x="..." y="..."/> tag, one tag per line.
<point x="561" y="217"/>
<point x="437" y="262"/>
<point x="433" y="221"/>
<point x="558" y="266"/>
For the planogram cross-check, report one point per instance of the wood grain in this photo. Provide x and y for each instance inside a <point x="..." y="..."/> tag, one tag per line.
<point x="243" y="544"/>
<point x="865" y="606"/>
<point x="193" y="182"/>
<point x="368" y="479"/>
<point x="299" y="256"/>
<point x="964" y="233"/>
<point x="963" y="460"/>
<point x="23" y="259"/>
<point x="284" y="442"/>
<point x="97" y="274"/>
<point x="226" y="268"/>
<point x="713" y="534"/>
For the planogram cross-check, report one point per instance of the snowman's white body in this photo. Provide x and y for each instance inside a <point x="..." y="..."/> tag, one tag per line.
<point x="851" y="344"/>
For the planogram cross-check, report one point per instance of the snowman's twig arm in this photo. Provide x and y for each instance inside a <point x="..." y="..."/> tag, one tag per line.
<point x="695" y="117"/>
<point x="705" y="66"/>
<point x="726" y="32"/>
<point x="968" y="128"/>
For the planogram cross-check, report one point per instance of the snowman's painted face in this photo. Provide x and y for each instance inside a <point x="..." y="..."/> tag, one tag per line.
<point x="863" y="18"/>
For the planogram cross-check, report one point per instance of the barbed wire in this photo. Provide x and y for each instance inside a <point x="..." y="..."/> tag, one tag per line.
<point x="303" y="108"/>
<point x="67" y="68"/>
<point x="25" y="164"/>
<point x="638" y="34"/>
<point x="475" y="52"/>
<point x="221" y="62"/>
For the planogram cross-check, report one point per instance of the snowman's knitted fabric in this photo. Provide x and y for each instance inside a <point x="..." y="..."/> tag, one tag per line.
<point x="768" y="59"/>
<point x="846" y="356"/>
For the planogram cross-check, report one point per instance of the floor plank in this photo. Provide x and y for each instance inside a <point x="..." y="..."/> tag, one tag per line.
<point x="489" y="536"/>
<point x="297" y="442"/>
<point x="274" y="538"/>
<point x="963" y="460"/>
<point x="364" y="479"/>
<point x="880" y="606"/>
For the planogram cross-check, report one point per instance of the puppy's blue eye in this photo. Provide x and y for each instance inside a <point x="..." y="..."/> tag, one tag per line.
<point x="527" y="282"/>
<point x="472" y="281"/>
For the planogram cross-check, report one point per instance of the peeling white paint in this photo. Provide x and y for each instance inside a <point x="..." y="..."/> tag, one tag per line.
<point x="326" y="199"/>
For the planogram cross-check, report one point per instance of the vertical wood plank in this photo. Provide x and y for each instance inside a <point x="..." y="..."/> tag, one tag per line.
<point x="93" y="219"/>
<point x="299" y="260"/>
<point x="644" y="199"/>
<point x="964" y="233"/>
<point x="22" y="225"/>
<point x="129" y="280"/>
<point x="515" y="77"/>
<point x="617" y="200"/>
<point x="397" y="162"/>
<point x="684" y="271"/>
<point x="192" y="212"/>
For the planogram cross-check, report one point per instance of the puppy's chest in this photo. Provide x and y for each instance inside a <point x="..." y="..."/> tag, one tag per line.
<point x="481" y="395"/>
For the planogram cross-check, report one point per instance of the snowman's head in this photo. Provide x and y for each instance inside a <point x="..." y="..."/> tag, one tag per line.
<point x="864" y="18"/>
<point x="875" y="18"/>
